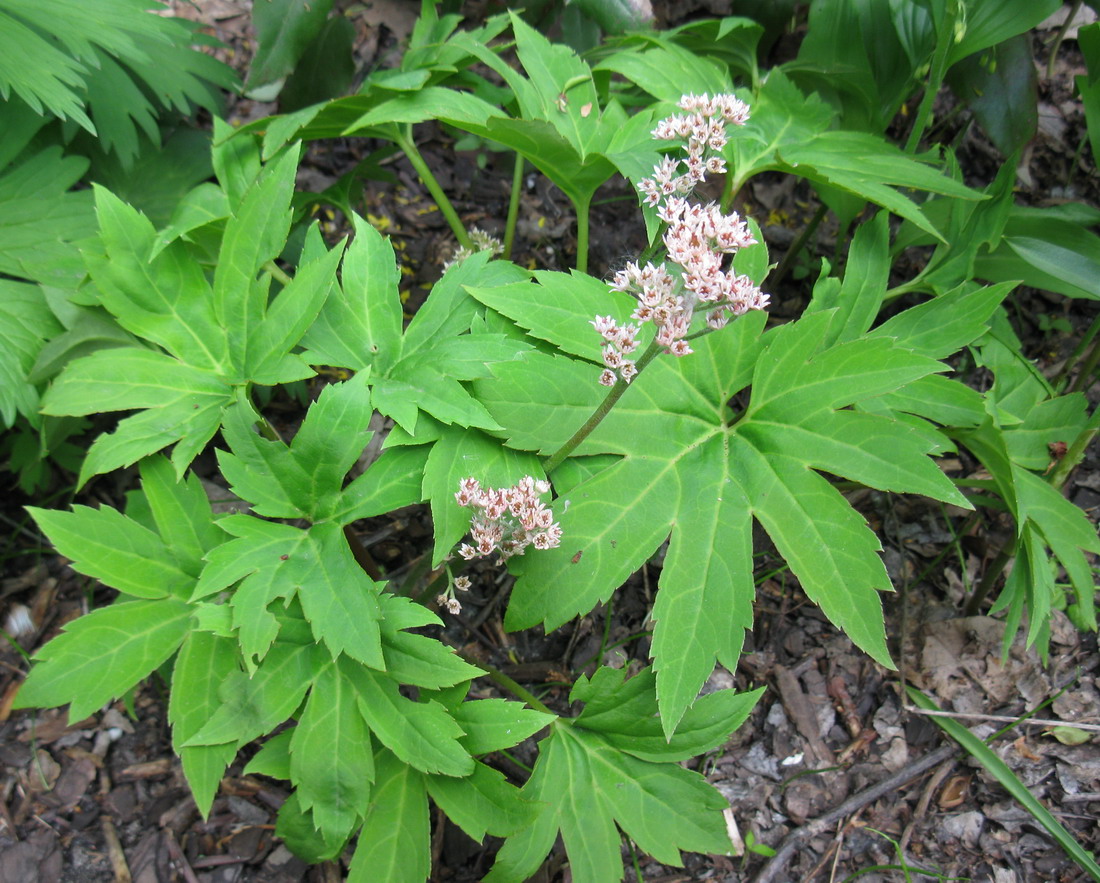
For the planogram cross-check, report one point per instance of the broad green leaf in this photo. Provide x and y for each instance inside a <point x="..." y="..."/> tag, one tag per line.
<point x="394" y="844"/>
<point x="105" y="544"/>
<point x="101" y="655"/>
<point x="691" y="468"/>
<point x="284" y="29"/>
<point x="204" y="661"/>
<point x="586" y="787"/>
<point x="481" y="803"/>
<point x="664" y="69"/>
<point x="252" y="706"/>
<point x="331" y="758"/>
<point x="492" y="724"/>
<point x="360" y="326"/>
<point x="422" y="735"/>
<point x="1001" y="89"/>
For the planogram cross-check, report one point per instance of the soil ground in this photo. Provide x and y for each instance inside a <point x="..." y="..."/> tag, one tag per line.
<point x="104" y="799"/>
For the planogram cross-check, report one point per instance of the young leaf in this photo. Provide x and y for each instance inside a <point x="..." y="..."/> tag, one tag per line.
<point x="304" y="479"/>
<point x="101" y="655"/>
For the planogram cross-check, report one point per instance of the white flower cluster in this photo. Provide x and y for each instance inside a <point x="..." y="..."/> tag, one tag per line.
<point x="507" y="520"/>
<point x="698" y="239"/>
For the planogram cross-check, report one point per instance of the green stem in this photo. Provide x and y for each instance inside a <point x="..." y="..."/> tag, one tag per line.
<point x="513" y="207"/>
<point x="1060" y="36"/>
<point x="583" y="209"/>
<point x="1076" y="451"/>
<point x="989" y="579"/>
<point x="796" y="247"/>
<point x="602" y="410"/>
<point x="402" y="136"/>
<point x="945" y="36"/>
<point x="501" y="679"/>
<point x="276" y="271"/>
<point x="1084" y="376"/>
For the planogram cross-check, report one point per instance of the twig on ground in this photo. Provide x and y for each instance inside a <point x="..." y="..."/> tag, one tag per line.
<point x="774" y="869"/>
<point x="925" y="799"/>
<point x="1002" y="718"/>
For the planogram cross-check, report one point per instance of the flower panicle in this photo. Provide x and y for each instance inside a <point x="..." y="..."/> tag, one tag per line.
<point x="507" y="520"/>
<point x="697" y="240"/>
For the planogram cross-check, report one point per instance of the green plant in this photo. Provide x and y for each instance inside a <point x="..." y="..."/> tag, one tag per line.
<point x="278" y="615"/>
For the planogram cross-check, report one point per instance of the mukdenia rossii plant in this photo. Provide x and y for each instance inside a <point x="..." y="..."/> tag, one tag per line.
<point x="268" y="625"/>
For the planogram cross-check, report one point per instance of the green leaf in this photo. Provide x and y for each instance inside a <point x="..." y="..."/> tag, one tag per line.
<point x="297" y="828"/>
<point x="394" y="843"/>
<point x="587" y="786"/>
<point x="101" y="655"/>
<point x="182" y="513"/>
<point x="284" y="28"/>
<point x="304" y="479"/>
<point x="492" y="724"/>
<point x="27" y="324"/>
<point x="625" y="713"/>
<point x="415" y="659"/>
<point x="1001" y="89"/>
<point x="392" y="481"/>
<point x="278" y="561"/>
<point x="252" y="706"/>
<point x="255" y="234"/>
<point x="422" y="735"/>
<point x="331" y="758"/>
<point x="691" y="468"/>
<point x="482" y="803"/>
<point x="204" y="661"/>
<point x="361" y="325"/>
<point x="105" y="544"/>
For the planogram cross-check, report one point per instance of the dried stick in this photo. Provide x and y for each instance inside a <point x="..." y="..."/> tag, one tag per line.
<point x="774" y="869"/>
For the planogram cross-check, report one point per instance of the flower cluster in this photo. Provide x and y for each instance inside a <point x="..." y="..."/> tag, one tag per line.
<point x="507" y="520"/>
<point x="698" y="239"/>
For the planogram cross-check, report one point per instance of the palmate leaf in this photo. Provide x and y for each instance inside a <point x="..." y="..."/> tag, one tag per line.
<point x="420" y="370"/>
<point x="598" y="771"/>
<point x="274" y="561"/>
<point x="215" y="337"/>
<point x="692" y="468"/>
<point x="790" y="132"/>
